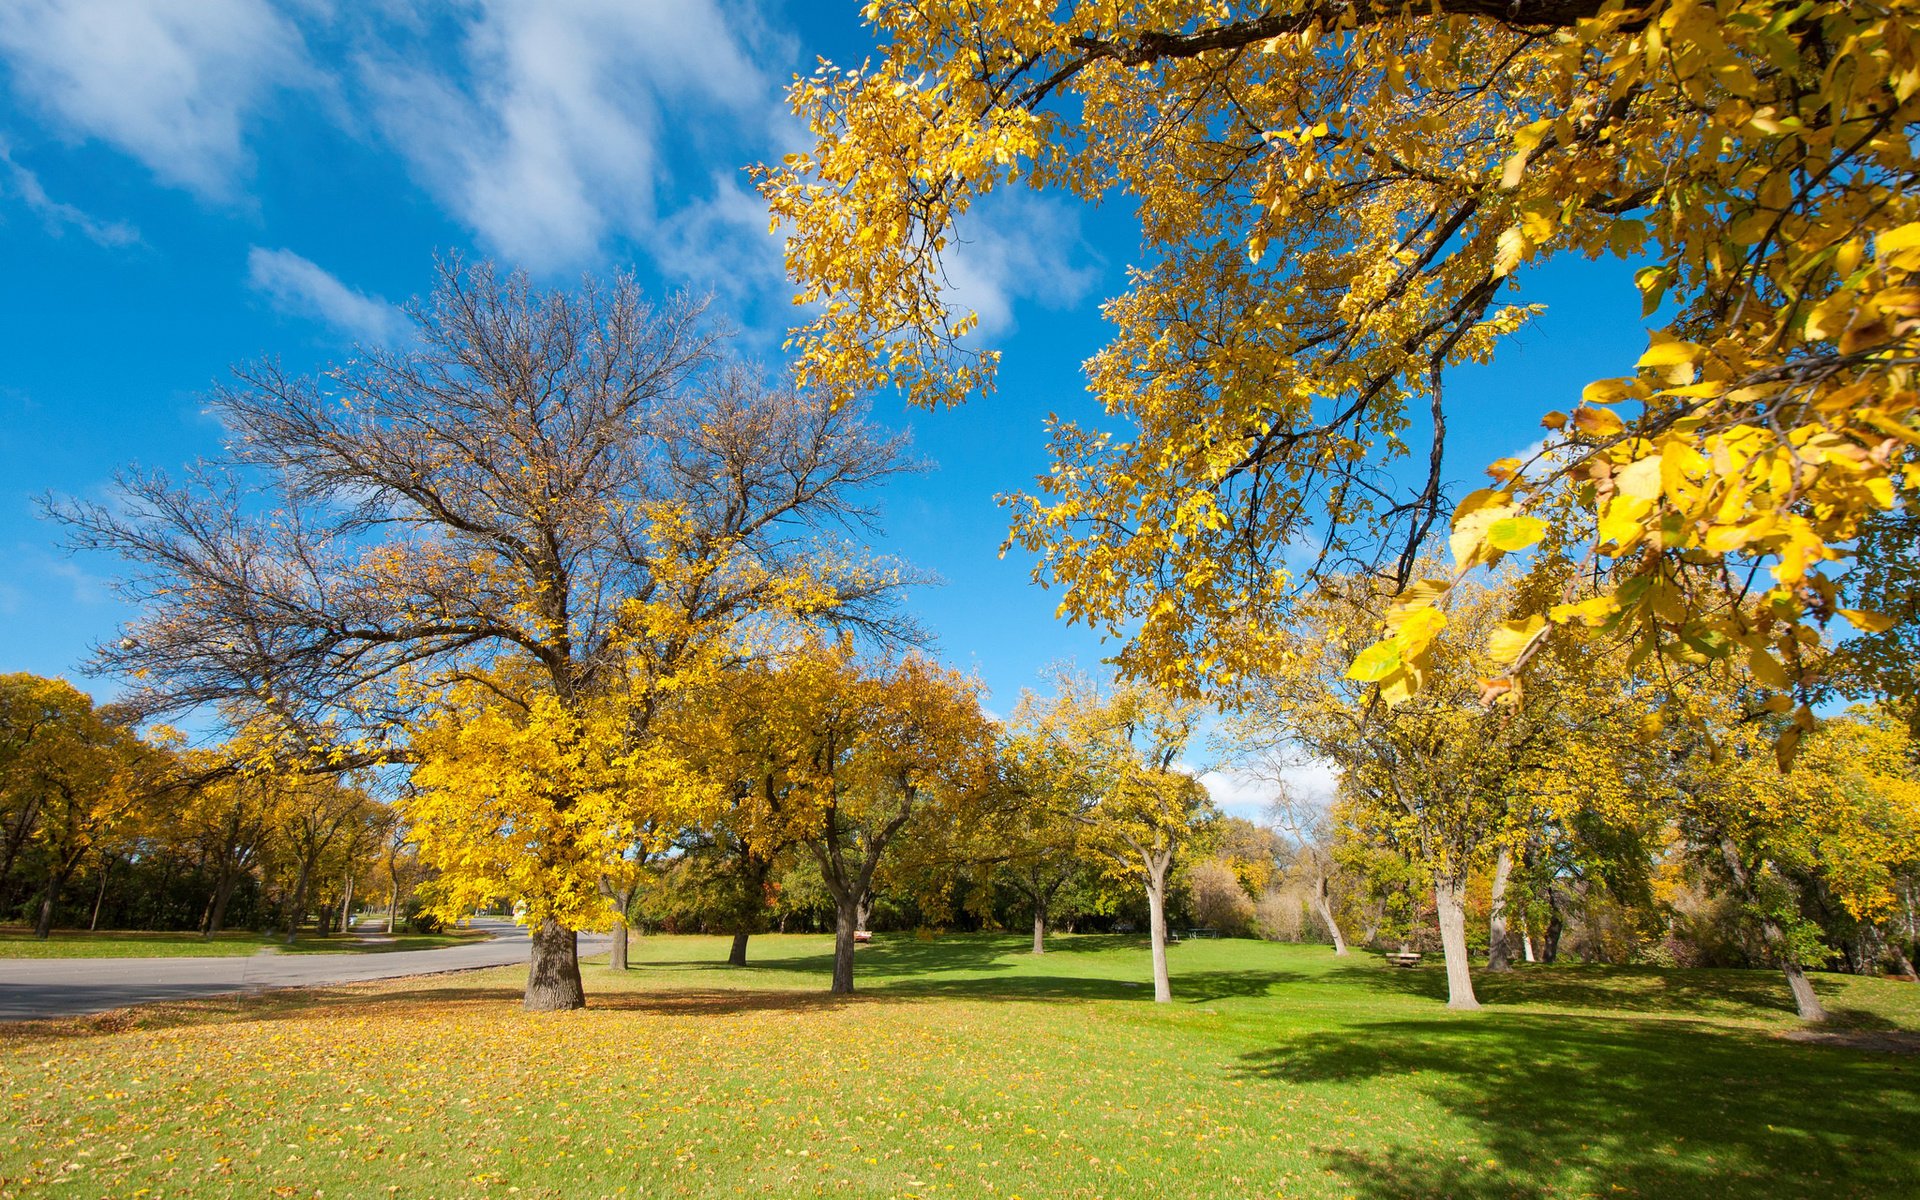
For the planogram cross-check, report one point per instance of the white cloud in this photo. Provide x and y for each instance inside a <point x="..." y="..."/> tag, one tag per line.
<point x="170" y="82"/>
<point x="302" y="288"/>
<point x="60" y="216"/>
<point x="1250" y="793"/>
<point x="558" y="135"/>
<point x="1016" y="246"/>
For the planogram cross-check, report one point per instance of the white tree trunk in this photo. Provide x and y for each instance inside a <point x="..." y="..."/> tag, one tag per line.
<point x="1157" y="864"/>
<point x="1498" y="958"/>
<point x="1324" y="905"/>
<point x="1449" y="899"/>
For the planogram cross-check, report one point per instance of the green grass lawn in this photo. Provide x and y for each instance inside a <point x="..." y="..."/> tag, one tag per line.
<point x="968" y="1068"/>
<point x="17" y="942"/>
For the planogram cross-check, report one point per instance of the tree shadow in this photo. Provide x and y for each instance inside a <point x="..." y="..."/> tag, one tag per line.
<point x="1754" y="994"/>
<point x="1631" y="1106"/>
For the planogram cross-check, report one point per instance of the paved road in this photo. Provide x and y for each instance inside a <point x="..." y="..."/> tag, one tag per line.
<point x="60" y="987"/>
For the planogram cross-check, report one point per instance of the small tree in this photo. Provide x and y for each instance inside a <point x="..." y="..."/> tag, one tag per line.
<point x="1113" y="758"/>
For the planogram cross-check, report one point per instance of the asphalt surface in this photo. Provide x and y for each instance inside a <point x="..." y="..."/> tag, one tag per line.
<point x="64" y="987"/>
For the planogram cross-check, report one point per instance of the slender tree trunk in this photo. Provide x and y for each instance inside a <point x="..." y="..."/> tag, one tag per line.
<point x="1157" y="864"/>
<point x="100" y="897"/>
<point x="1526" y="944"/>
<point x="43" y="923"/>
<point x="1323" y="904"/>
<point x="1498" y="956"/>
<point x="617" y="953"/>
<point x="297" y="903"/>
<point x="393" y="902"/>
<point x="737" y="953"/>
<point x="1449" y="899"/>
<point x="346" y="905"/>
<point x="553" y="975"/>
<point x="1550" y="941"/>
<point x="1039" y="925"/>
<point x="865" y="912"/>
<point x="846" y="920"/>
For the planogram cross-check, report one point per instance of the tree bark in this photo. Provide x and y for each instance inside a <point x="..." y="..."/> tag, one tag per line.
<point x="1499" y="958"/>
<point x="1900" y="960"/>
<point x="1550" y="941"/>
<point x="553" y="975"/>
<point x="43" y="922"/>
<point x="737" y="953"/>
<point x="617" y="953"/>
<point x="223" y="892"/>
<point x="1323" y="904"/>
<point x="297" y="903"/>
<point x="1449" y="900"/>
<point x="1039" y="926"/>
<point x="1157" y="864"/>
<point x="846" y="920"/>
<point x="100" y="897"/>
<point x="1805" y="1002"/>
<point x="346" y="905"/>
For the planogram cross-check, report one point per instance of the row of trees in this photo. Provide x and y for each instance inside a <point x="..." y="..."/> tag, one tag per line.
<point x="105" y="828"/>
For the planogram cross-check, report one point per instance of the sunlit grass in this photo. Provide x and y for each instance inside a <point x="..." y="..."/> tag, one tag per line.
<point x="16" y="942"/>
<point x="969" y="1068"/>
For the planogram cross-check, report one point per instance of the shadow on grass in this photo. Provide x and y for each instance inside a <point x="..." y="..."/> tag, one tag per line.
<point x="1689" y="992"/>
<point x="1648" y="1108"/>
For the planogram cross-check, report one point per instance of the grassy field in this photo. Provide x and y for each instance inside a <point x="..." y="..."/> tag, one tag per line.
<point x="16" y="942"/>
<point x="968" y="1068"/>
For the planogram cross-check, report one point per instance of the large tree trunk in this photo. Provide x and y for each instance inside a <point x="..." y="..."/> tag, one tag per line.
<point x="43" y="922"/>
<point x="846" y="920"/>
<point x="1323" y="904"/>
<point x="617" y="953"/>
<point x="223" y="892"/>
<point x="737" y="953"/>
<point x="1900" y="962"/>
<point x="1449" y="900"/>
<point x="1498" y="956"/>
<point x="1039" y="925"/>
<point x="1157" y="865"/>
<point x="297" y="903"/>
<point x="1805" y="1002"/>
<point x="553" y="975"/>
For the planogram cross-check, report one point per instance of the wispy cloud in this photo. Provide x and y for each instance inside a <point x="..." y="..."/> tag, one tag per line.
<point x="60" y="216"/>
<point x="170" y="83"/>
<point x="1017" y="246"/>
<point x="556" y="134"/>
<point x="303" y="288"/>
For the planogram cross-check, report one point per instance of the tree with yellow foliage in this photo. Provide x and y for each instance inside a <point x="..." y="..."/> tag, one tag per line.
<point x="1334" y="202"/>
<point x="71" y="776"/>
<point x="885" y="744"/>
<point x="1437" y="778"/>
<point x="1114" y="757"/>
<point x="1846" y="818"/>
<point x="547" y="513"/>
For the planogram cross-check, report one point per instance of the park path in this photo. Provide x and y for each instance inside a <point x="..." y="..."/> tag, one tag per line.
<point x="64" y="987"/>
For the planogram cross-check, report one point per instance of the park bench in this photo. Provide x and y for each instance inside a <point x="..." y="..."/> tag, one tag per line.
<point x="1404" y="958"/>
<point x="862" y="935"/>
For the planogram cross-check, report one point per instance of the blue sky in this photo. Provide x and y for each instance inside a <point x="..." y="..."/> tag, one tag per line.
<point x="184" y="186"/>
